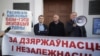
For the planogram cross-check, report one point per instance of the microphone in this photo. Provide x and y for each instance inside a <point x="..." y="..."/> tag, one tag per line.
<point x="7" y="30"/>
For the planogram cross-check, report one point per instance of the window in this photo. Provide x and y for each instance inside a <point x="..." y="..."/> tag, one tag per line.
<point x="21" y="6"/>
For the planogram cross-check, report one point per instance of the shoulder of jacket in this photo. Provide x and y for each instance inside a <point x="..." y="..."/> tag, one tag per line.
<point x="36" y="24"/>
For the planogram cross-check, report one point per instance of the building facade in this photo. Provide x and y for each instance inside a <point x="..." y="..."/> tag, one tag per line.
<point x="37" y="8"/>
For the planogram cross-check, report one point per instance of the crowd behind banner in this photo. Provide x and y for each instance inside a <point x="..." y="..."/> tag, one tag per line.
<point x="56" y="27"/>
<point x="21" y="20"/>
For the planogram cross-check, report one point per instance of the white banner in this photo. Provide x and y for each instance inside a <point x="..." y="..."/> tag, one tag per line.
<point x="28" y="45"/>
<point x="18" y="20"/>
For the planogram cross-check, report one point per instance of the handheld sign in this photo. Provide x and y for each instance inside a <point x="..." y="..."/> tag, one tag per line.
<point x="18" y="20"/>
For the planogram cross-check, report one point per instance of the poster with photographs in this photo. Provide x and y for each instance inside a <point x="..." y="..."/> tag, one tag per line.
<point x="96" y="26"/>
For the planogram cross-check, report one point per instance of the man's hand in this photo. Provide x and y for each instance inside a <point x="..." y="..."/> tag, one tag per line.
<point x="74" y="25"/>
<point x="1" y="34"/>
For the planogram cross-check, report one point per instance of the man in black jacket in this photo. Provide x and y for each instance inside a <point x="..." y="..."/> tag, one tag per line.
<point x="56" y="28"/>
<point x="40" y="28"/>
<point x="72" y="29"/>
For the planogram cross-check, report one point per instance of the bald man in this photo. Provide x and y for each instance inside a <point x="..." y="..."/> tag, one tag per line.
<point x="56" y="28"/>
<point x="72" y="29"/>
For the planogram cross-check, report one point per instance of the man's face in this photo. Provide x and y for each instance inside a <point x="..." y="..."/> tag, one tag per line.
<point x="41" y="19"/>
<point x="73" y="16"/>
<point x="55" y="18"/>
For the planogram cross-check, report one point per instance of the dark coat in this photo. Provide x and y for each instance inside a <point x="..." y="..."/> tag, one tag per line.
<point x="37" y="32"/>
<point x="75" y="31"/>
<point x="56" y="29"/>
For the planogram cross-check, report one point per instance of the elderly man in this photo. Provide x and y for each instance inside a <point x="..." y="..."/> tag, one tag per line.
<point x="72" y="29"/>
<point x="56" y="28"/>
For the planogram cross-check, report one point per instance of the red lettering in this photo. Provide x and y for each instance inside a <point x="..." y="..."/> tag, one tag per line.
<point x="58" y="42"/>
<point x="72" y="45"/>
<point x="52" y="43"/>
<point x="25" y="19"/>
<point x="28" y="50"/>
<point x="18" y="49"/>
<point x="22" y="41"/>
<point x="97" y="46"/>
<point x="44" y="42"/>
<point x="10" y="19"/>
<point x="87" y="55"/>
<point x="60" y="53"/>
<point x="18" y="23"/>
<point x="32" y="41"/>
<point x="23" y="49"/>
<point x="52" y="52"/>
<point x="12" y="48"/>
<point x="27" y="41"/>
<point x="39" y="51"/>
<point x="90" y="47"/>
<point x="13" y="39"/>
<point x="37" y="41"/>
<point x="67" y="54"/>
<point x="79" y="45"/>
<point x="74" y="54"/>
<point x="64" y="43"/>
<point x="33" y="51"/>
<point x="44" y="51"/>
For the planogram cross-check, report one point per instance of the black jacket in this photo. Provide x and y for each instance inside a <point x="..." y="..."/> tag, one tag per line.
<point x="75" y="31"/>
<point x="56" y="29"/>
<point x="37" y="32"/>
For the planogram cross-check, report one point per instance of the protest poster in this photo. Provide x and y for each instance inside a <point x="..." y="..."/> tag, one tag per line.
<point x="18" y="20"/>
<point x="28" y="45"/>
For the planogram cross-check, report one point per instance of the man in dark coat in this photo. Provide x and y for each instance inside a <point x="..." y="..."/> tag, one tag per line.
<point x="56" y="28"/>
<point x="40" y="28"/>
<point x="72" y="29"/>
